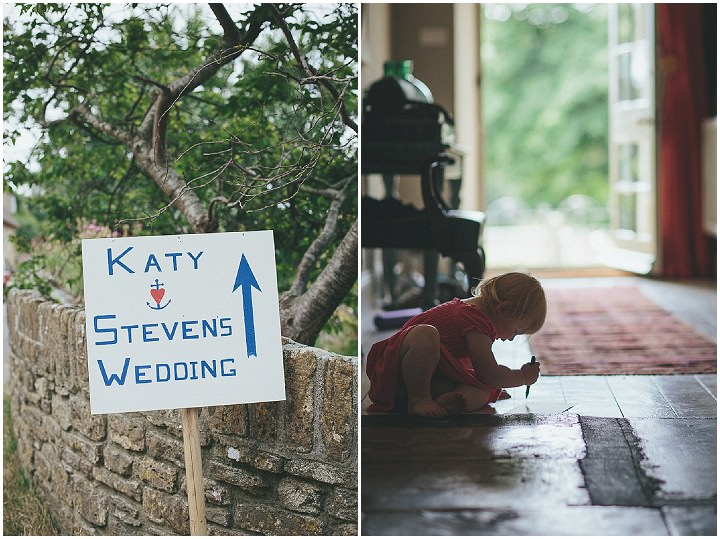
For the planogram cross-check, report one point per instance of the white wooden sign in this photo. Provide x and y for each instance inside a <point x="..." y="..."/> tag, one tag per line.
<point x="182" y="321"/>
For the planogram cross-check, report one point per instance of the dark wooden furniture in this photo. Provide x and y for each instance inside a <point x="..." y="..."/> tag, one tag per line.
<point x="436" y="228"/>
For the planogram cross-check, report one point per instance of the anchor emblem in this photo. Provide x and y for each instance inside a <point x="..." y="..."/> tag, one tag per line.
<point x="157" y="294"/>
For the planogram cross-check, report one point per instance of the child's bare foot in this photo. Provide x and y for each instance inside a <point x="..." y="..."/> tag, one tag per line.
<point x="426" y="407"/>
<point x="454" y="402"/>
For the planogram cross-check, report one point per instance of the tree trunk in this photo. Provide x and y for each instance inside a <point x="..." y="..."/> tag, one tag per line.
<point x="180" y="195"/>
<point x="303" y="316"/>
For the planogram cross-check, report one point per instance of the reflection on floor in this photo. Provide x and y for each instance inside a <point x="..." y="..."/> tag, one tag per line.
<point x="582" y="455"/>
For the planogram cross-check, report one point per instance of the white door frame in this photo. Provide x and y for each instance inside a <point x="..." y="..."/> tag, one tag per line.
<point x="632" y="137"/>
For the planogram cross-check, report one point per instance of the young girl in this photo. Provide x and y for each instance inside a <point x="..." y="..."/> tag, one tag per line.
<point x="441" y="361"/>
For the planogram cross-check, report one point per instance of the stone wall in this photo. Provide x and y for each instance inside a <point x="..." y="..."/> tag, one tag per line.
<point x="280" y="468"/>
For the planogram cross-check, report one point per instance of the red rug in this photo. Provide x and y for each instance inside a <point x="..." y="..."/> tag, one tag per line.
<point x="617" y="330"/>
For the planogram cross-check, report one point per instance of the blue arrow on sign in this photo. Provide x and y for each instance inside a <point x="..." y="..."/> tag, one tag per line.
<point x="245" y="280"/>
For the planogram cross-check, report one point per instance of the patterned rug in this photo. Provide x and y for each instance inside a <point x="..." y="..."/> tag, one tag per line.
<point x="617" y="330"/>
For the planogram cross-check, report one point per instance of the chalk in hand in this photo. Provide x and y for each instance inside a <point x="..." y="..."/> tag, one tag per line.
<point x="527" y="388"/>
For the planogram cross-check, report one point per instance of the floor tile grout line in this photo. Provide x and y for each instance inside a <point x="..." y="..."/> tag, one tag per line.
<point x="617" y="403"/>
<point x="662" y="393"/>
<point x="562" y="389"/>
<point x="706" y="388"/>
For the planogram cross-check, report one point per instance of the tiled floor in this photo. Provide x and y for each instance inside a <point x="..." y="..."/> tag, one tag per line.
<point x="583" y="455"/>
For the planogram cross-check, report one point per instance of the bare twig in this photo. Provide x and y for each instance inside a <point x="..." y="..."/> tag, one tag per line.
<point x="312" y="73"/>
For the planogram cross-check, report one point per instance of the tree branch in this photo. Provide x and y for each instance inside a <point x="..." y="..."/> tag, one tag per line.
<point x="233" y="44"/>
<point x="84" y="112"/>
<point x="320" y="243"/>
<point x="311" y="71"/>
<point x="306" y="314"/>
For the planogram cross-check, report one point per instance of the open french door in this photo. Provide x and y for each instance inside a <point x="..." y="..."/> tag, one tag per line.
<point x="633" y="199"/>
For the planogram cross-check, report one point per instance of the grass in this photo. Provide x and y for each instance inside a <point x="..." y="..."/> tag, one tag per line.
<point x="340" y="334"/>
<point x="23" y="512"/>
<point x="343" y="342"/>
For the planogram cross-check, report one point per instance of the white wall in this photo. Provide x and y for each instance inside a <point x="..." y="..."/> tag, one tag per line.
<point x="443" y="40"/>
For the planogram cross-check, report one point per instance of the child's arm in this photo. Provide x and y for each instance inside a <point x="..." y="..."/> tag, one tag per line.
<point x="487" y="369"/>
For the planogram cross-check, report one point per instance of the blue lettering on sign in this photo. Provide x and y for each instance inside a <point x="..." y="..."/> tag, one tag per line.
<point x="165" y="372"/>
<point x="140" y="374"/>
<point x="169" y="334"/>
<point x="147" y="333"/>
<point x="108" y="380"/>
<point x="134" y="333"/>
<point x="166" y="375"/>
<point x="115" y="262"/>
<point x="174" y="259"/>
<point x="176" y="369"/>
<point x="129" y="331"/>
<point x="208" y="327"/>
<point x="152" y="261"/>
<point x="206" y="367"/>
<point x="112" y="261"/>
<point x="187" y="330"/>
<point x="195" y="258"/>
<point x="112" y="331"/>
<point x="226" y="327"/>
<point x="224" y="369"/>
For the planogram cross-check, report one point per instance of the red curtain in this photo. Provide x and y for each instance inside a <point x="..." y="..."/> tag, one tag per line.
<point x="684" y="245"/>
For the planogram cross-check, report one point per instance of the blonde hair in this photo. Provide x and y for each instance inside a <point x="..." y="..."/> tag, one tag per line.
<point x="523" y="295"/>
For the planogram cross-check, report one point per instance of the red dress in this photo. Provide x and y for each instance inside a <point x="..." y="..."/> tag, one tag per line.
<point x="453" y="320"/>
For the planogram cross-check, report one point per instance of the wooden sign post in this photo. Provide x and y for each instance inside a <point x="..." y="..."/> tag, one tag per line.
<point x="193" y="469"/>
<point x="172" y="322"/>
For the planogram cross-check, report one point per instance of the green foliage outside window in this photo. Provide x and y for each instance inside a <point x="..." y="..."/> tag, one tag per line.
<point x="545" y="101"/>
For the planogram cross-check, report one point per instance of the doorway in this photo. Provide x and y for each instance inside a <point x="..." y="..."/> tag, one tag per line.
<point x="547" y="103"/>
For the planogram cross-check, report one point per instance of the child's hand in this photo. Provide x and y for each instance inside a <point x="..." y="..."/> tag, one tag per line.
<point x="531" y="372"/>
